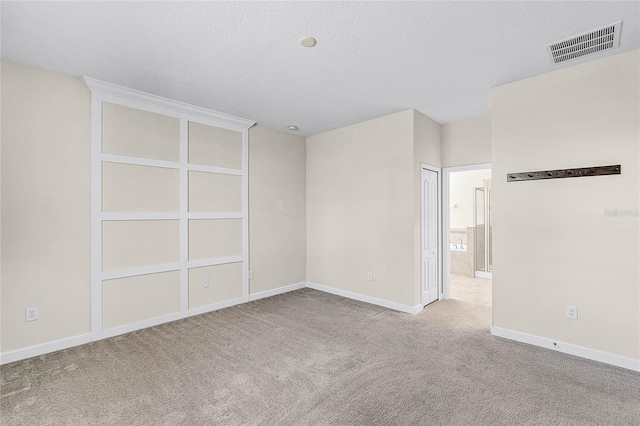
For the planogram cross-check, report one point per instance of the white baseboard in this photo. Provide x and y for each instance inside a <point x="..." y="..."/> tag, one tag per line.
<point x="44" y="348"/>
<point x="568" y="348"/>
<point x="128" y="328"/>
<point x="56" y="345"/>
<point x="152" y="322"/>
<point x="368" y="299"/>
<point x="276" y="291"/>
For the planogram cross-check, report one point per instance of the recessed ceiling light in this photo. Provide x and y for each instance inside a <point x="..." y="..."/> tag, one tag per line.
<point x="308" y="41"/>
<point x="293" y="128"/>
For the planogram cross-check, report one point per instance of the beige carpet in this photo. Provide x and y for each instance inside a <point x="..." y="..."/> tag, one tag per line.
<point x="310" y="358"/>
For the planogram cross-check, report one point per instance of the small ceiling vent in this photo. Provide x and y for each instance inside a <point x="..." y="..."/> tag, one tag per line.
<point x="595" y="41"/>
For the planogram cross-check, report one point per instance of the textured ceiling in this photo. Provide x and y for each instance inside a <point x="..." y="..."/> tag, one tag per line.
<point x="372" y="58"/>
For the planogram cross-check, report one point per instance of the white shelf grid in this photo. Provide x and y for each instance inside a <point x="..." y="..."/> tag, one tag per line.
<point x="104" y="92"/>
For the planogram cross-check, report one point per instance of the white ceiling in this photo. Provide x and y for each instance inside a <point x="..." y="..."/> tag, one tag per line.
<point x="372" y="58"/>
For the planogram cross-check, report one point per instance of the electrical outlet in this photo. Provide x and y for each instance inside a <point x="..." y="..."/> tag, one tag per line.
<point x="572" y="312"/>
<point x="250" y="274"/>
<point x="205" y="283"/>
<point x="31" y="313"/>
<point x="370" y="276"/>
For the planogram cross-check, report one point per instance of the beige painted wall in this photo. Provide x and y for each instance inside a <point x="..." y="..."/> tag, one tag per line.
<point x="214" y="192"/>
<point x="427" y="149"/>
<point x="225" y="152"/>
<point x="209" y="238"/>
<point x="225" y="283"/>
<point x="277" y="222"/>
<point x="46" y="205"/>
<point x="137" y="133"/>
<point x="360" y="208"/>
<point x="466" y="142"/>
<point x="132" y="299"/>
<point x="46" y="211"/>
<point x="134" y="243"/>
<point x="554" y="244"/>
<point x="134" y="188"/>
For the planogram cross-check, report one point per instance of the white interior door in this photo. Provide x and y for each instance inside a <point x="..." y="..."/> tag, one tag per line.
<point x="430" y="258"/>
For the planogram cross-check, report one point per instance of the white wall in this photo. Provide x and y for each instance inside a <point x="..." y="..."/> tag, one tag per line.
<point x="277" y="214"/>
<point x="466" y="142"/>
<point x="360" y="208"/>
<point x="554" y="245"/>
<point x="461" y="186"/>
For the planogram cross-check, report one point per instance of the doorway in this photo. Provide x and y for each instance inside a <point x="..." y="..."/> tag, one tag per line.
<point x="466" y="217"/>
<point x="430" y="241"/>
<point x="483" y="253"/>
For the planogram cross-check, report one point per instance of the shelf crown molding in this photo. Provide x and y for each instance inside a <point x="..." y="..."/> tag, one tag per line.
<point x="99" y="86"/>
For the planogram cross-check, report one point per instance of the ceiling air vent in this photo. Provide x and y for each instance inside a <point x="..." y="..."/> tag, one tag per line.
<point x="595" y="41"/>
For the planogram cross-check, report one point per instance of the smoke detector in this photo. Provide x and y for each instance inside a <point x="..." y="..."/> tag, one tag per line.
<point x="603" y="38"/>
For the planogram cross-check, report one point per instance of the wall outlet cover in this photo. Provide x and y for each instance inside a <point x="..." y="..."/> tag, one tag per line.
<point x="31" y="314"/>
<point x="572" y="312"/>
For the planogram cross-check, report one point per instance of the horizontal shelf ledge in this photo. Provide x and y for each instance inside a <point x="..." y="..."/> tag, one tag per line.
<point x="212" y="169"/>
<point x="141" y="270"/>
<point x="165" y="164"/>
<point x="139" y="161"/>
<point x="139" y="216"/>
<point x="167" y="216"/>
<point x="168" y="267"/>
<point x="215" y="216"/>
<point x="199" y="263"/>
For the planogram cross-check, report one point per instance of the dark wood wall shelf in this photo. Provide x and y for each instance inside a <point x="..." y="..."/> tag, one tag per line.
<point x="565" y="173"/>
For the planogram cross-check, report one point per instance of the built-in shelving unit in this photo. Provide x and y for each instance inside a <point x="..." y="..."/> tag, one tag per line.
<point x="169" y="210"/>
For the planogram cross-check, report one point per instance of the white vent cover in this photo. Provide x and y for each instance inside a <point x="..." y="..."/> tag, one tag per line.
<point x="594" y="41"/>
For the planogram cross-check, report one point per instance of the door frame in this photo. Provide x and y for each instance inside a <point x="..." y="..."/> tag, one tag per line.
<point x="446" y="221"/>
<point x="438" y="172"/>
